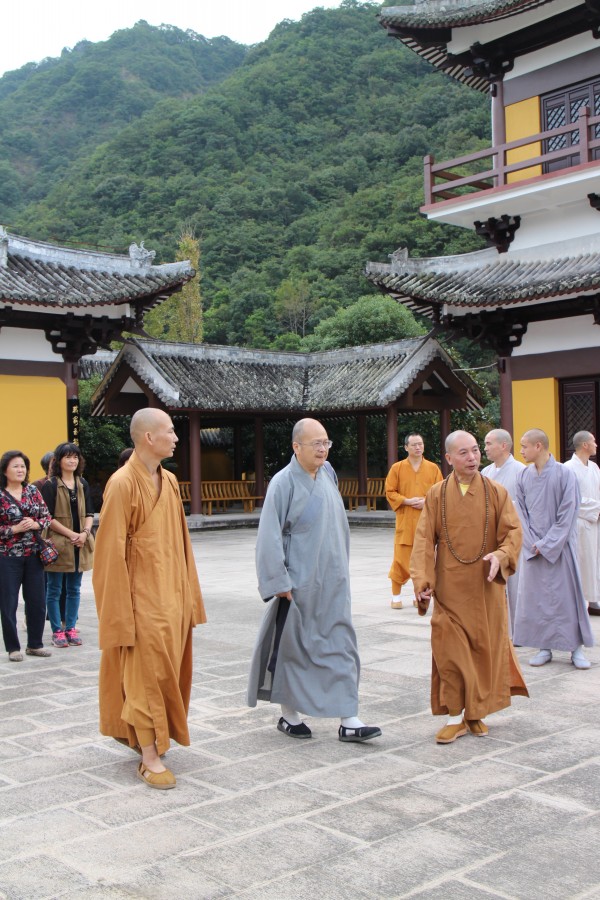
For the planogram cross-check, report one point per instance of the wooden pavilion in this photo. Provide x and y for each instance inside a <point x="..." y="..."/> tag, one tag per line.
<point x="212" y="386"/>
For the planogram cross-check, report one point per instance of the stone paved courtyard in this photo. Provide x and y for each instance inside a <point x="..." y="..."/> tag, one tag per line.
<point x="257" y="815"/>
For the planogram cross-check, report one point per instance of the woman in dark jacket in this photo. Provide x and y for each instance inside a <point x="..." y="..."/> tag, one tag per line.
<point x="68" y="499"/>
<point x="23" y="515"/>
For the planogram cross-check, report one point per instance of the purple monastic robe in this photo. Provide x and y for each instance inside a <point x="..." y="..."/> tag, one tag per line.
<point x="507" y="475"/>
<point x="551" y="610"/>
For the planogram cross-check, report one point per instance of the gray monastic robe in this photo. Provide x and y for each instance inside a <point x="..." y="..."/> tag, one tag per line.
<point x="303" y="546"/>
<point x="588" y="528"/>
<point x="506" y="475"/>
<point x="551" y="609"/>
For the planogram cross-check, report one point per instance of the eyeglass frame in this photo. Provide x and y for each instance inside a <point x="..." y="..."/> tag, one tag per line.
<point x="326" y="445"/>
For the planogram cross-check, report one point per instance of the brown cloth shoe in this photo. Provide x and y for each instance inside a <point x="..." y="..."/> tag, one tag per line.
<point x="162" y="781"/>
<point x="37" y="651"/>
<point x="477" y="727"/>
<point x="397" y="604"/>
<point x="450" y="733"/>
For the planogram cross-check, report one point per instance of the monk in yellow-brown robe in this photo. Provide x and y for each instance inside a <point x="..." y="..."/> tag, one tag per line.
<point x="148" y="600"/>
<point x="467" y="544"/>
<point x="405" y="487"/>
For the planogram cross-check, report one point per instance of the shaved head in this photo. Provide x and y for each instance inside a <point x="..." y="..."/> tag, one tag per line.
<point x="455" y="436"/>
<point x="537" y="436"/>
<point x="301" y="426"/>
<point x="582" y="437"/>
<point x="146" y="420"/>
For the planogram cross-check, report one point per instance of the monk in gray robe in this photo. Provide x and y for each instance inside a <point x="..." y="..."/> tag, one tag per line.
<point x="504" y="469"/>
<point x="551" y="609"/>
<point x="306" y="658"/>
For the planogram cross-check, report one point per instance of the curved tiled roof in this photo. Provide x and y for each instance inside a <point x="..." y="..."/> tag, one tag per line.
<point x="432" y="14"/>
<point x="419" y="28"/>
<point x="231" y="379"/>
<point x="487" y="279"/>
<point x="38" y="274"/>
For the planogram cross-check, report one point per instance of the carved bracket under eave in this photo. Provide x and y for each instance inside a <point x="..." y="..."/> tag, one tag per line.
<point x="594" y="201"/>
<point x="499" y="233"/>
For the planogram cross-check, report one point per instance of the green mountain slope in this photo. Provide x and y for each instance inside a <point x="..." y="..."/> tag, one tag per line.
<point x="59" y="110"/>
<point x="301" y="165"/>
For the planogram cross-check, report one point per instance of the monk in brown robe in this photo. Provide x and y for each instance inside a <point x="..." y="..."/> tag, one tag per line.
<point x="148" y="600"/>
<point x="467" y="544"/>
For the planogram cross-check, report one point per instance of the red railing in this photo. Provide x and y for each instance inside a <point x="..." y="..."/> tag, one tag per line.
<point x="447" y="180"/>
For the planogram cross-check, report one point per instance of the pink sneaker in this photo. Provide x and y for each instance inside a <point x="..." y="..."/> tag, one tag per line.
<point x="59" y="639"/>
<point x="73" y="637"/>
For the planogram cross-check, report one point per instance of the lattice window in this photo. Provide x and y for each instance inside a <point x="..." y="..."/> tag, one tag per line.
<point x="562" y="108"/>
<point x="579" y="410"/>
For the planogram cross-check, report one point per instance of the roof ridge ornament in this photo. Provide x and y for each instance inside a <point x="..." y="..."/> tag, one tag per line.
<point x="398" y="260"/>
<point x="3" y="247"/>
<point x="139" y="256"/>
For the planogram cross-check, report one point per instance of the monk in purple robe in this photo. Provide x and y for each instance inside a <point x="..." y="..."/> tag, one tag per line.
<point x="551" y="609"/>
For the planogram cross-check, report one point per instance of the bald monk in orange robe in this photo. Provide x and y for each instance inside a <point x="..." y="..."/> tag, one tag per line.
<point x="467" y="544"/>
<point x="148" y="600"/>
<point x="405" y="487"/>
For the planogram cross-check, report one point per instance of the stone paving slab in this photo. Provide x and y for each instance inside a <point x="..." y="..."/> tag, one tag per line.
<point x="256" y="815"/>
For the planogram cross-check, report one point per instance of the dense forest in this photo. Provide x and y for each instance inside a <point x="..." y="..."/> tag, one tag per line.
<point x="292" y="162"/>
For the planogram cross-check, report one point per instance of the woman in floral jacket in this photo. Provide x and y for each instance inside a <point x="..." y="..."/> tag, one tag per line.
<point x="23" y="514"/>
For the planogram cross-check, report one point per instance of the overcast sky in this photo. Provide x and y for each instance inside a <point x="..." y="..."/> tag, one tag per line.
<point x="31" y="30"/>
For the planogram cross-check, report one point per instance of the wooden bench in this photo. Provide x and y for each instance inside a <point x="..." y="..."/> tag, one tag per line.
<point x="348" y="488"/>
<point x="220" y="495"/>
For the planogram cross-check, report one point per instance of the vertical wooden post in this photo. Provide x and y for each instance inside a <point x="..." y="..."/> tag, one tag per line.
<point x="444" y="432"/>
<point x="392" y="435"/>
<point x="259" y="457"/>
<point x="361" y="423"/>
<point x="584" y="134"/>
<point x="506" y="406"/>
<point x="428" y="179"/>
<point x="195" y="465"/>
<point x="237" y="451"/>
<point x="498" y="130"/>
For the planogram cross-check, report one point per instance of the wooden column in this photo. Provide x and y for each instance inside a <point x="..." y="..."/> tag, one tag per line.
<point x="392" y="435"/>
<point x="237" y="452"/>
<point x="195" y="465"/>
<point x="259" y="457"/>
<point x="498" y="115"/>
<point x="361" y="422"/>
<point x="444" y="432"/>
<point x="506" y="406"/>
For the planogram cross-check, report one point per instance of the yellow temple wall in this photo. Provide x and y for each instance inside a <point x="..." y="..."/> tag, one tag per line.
<point x="34" y="416"/>
<point x="536" y="405"/>
<point x="522" y="119"/>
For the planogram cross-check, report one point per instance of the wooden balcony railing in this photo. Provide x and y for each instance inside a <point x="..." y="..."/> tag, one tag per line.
<point x="487" y="169"/>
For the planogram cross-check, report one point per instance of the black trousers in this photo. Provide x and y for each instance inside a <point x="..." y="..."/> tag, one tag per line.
<point x="280" y="620"/>
<point x="26" y="572"/>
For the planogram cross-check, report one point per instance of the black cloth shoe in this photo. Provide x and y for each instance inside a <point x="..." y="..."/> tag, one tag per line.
<point x="358" y="735"/>
<point x="297" y="731"/>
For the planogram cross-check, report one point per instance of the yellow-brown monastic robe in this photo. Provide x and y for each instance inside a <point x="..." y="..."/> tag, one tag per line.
<point x="148" y="600"/>
<point x="402" y="482"/>
<point x="474" y="664"/>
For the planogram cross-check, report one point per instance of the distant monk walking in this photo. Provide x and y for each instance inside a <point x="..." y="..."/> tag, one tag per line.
<point x="551" y="609"/>
<point x="305" y="656"/>
<point x="588" y="521"/>
<point x="466" y="545"/>
<point x="504" y="469"/>
<point x="148" y="600"/>
<point x="405" y="487"/>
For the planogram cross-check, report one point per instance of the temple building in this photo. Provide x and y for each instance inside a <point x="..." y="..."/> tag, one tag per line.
<point x="533" y="294"/>
<point x="57" y="304"/>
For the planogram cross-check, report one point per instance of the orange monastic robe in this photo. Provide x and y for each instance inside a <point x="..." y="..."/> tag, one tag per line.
<point x="148" y="600"/>
<point x="402" y="482"/>
<point x="474" y="664"/>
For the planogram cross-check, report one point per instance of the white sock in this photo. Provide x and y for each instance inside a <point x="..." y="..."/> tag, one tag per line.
<point x="351" y="722"/>
<point x="290" y="715"/>
<point x="454" y="720"/>
<point x="396" y="597"/>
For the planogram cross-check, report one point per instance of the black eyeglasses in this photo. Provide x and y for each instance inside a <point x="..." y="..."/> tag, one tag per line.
<point x="316" y="444"/>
